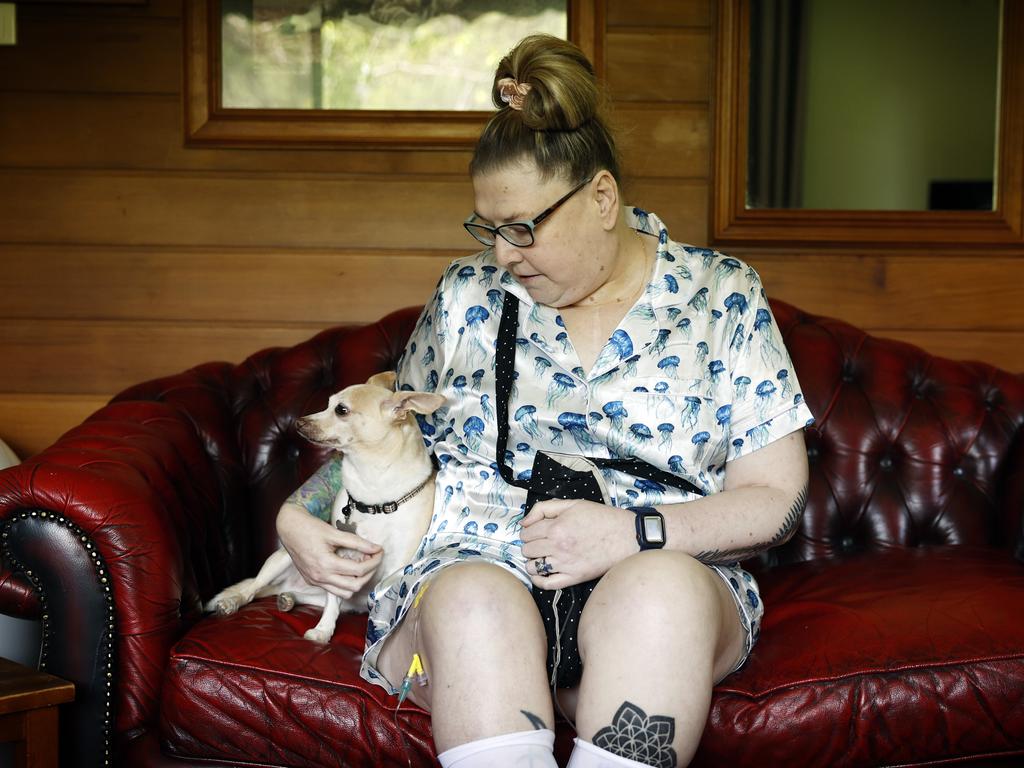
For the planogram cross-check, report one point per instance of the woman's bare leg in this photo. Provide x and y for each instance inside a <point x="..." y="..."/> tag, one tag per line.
<point x="482" y="643"/>
<point x="658" y="631"/>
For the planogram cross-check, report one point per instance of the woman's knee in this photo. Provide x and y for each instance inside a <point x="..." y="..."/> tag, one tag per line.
<point x="659" y="588"/>
<point x="480" y="600"/>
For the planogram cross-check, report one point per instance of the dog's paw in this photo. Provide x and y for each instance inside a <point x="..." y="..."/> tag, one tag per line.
<point x="317" y="636"/>
<point x="225" y="604"/>
<point x="285" y="601"/>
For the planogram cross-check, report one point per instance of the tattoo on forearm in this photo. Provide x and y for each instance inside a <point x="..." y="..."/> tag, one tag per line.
<point x="788" y="526"/>
<point x="537" y="723"/>
<point x="636" y="736"/>
<point x="317" y="494"/>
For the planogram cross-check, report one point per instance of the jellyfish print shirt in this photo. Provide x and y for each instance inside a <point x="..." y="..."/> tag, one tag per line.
<point x="695" y="375"/>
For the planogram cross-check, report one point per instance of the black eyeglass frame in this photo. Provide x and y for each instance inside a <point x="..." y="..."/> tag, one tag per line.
<point x="474" y="226"/>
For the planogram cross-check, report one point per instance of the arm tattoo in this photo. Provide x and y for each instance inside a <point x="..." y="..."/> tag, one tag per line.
<point x="796" y="511"/>
<point x="317" y="494"/>
<point x="537" y="722"/>
<point x="636" y="736"/>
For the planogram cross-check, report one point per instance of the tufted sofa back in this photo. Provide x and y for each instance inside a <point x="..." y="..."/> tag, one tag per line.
<point x="908" y="449"/>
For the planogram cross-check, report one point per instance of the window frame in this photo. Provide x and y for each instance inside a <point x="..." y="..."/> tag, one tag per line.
<point x="209" y="123"/>
<point x="732" y="223"/>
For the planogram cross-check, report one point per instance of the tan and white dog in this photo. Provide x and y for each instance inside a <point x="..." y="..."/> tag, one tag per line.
<point x="388" y="495"/>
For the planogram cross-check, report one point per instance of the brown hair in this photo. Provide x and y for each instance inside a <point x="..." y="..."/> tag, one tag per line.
<point x="561" y="126"/>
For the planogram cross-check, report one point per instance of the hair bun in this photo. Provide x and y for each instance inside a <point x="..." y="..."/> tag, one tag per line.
<point x="562" y="92"/>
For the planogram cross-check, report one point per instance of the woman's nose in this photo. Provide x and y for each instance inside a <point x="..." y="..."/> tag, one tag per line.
<point x="505" y="253"/>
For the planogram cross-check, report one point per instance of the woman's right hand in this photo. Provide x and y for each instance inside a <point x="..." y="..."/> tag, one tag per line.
<point x="312" y="543"/>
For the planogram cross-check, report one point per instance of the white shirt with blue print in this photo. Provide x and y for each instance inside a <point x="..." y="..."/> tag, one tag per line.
<point x="695" y="375"/>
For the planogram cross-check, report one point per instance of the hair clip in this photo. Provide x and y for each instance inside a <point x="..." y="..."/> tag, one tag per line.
<point x="512" y="93"/>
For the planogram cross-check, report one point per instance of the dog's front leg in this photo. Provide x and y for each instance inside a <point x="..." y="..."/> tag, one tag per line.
<point x="324" y="628"/>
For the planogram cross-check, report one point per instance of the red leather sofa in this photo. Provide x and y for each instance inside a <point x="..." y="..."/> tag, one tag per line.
<point x="893" y="635"/>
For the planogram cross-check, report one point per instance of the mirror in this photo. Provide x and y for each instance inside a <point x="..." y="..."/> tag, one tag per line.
<point x="879" y="104"/>
<point x="882" y="121"/>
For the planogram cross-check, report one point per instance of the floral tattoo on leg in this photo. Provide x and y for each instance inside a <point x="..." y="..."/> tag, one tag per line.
<point x="636" y="736"/>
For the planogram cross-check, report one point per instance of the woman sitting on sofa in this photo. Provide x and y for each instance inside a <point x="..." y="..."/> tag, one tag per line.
<point x="627" y="344"/>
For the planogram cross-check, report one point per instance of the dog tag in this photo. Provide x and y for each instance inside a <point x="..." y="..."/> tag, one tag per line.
<point x="345" y="526"/>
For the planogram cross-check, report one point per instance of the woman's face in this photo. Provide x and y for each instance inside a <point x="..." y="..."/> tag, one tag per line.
<point x="570" y="257"/>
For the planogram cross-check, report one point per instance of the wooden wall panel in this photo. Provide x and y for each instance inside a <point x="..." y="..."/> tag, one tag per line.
<point x="659" y="64"/>
<point x="29" y="423"/>
<point x="87" y="54"/>
<point x="658" y="13"/>
<point x="213" y="286"/>
<point x="101" y="357"/>
<point x="144" y="132"/>
<point x="663" y="140"/>
<point x="250" y="209"/>
<point x="126" y="255"/>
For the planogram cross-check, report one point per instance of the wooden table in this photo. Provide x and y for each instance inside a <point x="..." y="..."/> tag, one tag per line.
<point x="28" y="713"/>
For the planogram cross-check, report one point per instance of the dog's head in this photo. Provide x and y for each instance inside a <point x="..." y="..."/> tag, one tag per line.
<point x="365" y="413"/>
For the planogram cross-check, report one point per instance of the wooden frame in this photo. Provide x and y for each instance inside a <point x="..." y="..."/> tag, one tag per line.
<point x="209" y="123"/>
<point x="732" y="223"/>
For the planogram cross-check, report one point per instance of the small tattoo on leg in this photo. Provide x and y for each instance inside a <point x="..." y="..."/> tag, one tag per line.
<point x="636" y="736"/>
<point x="537" y="723"/>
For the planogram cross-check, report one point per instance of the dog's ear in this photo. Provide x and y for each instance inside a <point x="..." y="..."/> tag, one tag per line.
<point x="401" y="403"/>
<point x="384" y="379"/>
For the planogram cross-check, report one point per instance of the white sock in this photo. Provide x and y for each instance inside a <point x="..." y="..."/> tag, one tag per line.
<point x="586" y="755"/>
<point x="526" y="749"/>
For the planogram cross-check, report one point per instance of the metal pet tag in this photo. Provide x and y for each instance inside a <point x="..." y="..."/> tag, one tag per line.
<point x="345" y="526"/>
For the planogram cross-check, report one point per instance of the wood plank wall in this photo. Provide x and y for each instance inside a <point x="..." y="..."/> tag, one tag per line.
<point x="126" y="255"/>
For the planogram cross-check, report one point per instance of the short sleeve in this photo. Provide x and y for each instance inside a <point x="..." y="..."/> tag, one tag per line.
<point x="767" y="403"/>
<point x="424" y="357"/>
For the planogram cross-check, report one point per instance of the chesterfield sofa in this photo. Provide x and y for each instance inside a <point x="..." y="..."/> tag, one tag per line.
<point x="894" y="631"/>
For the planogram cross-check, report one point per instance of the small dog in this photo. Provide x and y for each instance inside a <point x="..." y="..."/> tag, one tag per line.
<point x="388" y="495"/>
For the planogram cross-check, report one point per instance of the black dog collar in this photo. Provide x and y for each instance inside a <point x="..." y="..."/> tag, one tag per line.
<point x="381" y="509"/>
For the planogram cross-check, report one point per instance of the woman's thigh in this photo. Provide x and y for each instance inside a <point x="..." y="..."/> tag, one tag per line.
<point x="474" y="605"/>
<point x="662" y="588"/>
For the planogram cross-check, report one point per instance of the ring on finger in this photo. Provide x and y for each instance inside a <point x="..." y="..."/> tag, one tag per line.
<point x="544" y="568"/>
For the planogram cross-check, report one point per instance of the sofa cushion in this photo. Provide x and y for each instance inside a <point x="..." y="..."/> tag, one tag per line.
<point x="892" y="657"/>
<point x="946" y="620"/>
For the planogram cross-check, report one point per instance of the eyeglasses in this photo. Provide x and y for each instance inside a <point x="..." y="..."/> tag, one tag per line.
<point x="518" y="233"/>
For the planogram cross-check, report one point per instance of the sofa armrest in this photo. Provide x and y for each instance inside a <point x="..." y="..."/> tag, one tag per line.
<point x="118" y="529"/>
<point x="1012" y="494"/>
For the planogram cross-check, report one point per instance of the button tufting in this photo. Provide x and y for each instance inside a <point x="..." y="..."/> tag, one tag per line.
<point x="958" y="471"/>
<point x="294" y="452"/>
<point x="846" y="544"/>
<point x="886" y="463"/>
<point x="812" y="452"/>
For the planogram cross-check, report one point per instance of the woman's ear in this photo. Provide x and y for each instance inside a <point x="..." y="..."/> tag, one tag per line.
<point x="606" y="195"/>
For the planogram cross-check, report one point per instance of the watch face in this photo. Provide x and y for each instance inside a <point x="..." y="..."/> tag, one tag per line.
<point x="654" y="530"/>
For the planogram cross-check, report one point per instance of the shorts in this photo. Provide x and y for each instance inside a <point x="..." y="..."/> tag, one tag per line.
<point x="561" y="609"/>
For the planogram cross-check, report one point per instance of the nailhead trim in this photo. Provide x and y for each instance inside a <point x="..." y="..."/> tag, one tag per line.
<point x="109" y="646"/>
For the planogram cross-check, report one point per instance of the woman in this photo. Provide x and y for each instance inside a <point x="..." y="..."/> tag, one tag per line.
<point x="627" y="344"/>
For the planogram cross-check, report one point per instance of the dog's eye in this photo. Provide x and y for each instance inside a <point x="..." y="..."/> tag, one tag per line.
<point x="341" y="410"/>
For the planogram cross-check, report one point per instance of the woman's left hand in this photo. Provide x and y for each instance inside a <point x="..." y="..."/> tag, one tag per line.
<point x="579" y="540"/>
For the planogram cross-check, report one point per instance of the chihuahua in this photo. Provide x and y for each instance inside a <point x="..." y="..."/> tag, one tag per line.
<point x="387" y="496"/>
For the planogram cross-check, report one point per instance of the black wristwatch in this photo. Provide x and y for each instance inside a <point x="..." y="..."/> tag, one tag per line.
<point x="650" y="528"/>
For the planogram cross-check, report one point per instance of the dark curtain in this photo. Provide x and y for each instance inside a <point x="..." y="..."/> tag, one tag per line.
<point x="777" y="60"/>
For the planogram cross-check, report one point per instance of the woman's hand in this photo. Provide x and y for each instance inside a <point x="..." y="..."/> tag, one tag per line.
<point x="312" y="543"/>
<point x="580" y="540"/>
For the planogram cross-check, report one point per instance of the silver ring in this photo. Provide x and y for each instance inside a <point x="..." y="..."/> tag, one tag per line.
<point x="544" y="568"/>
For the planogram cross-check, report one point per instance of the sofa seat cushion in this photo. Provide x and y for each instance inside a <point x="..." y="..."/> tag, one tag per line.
<point x="892" y="657"/>
<point x="250" y="689"/>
